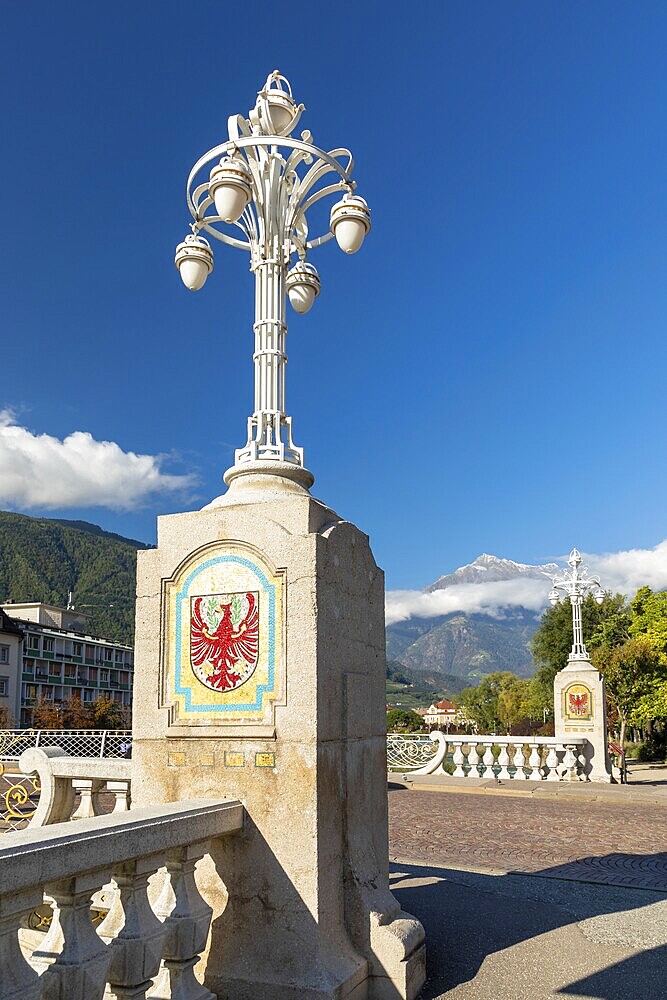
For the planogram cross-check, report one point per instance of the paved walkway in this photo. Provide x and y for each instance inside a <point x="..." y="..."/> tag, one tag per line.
<point x="530" y="897"/>
<point x="613" y="842"/>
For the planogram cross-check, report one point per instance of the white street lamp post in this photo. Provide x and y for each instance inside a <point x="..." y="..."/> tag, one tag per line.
<point x="575" y="585"/>
<point x="263" y="182"/>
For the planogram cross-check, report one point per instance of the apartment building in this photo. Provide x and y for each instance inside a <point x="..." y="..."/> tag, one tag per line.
<point x="59" y="659"/>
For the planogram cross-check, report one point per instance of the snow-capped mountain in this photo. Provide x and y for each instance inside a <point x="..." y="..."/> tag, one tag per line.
<point x="492" y="569"/>
<point x="468" y="623"/>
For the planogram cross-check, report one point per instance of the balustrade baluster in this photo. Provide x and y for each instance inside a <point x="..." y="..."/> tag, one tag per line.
<point x="458" y="758"/>
<point x="488" y="760"/>
<point x="503" y="760"/>
<point x="519" y="760"/>
<point x="579" y="761"/>
<point x="121" y="789"/>
<point x="72" y="958"/>
<point x="535" y="762"/>
<point x="89" y="804"/>
<point x="569" y="764"/>
<point x="135" y="935"/>
<point x="552" y="764"/>
<point x="187" y="918"/>
<point x="473" y="761"/>
<point x="18" y="980"/>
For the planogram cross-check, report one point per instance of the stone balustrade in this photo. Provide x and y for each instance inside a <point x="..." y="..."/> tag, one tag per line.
<point x="138" y="949"/>
<point x="518" y="758"/>
<point x="60" y="777"/>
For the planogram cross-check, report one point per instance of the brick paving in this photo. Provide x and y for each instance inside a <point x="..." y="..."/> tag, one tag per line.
<point x="583" y="840"/>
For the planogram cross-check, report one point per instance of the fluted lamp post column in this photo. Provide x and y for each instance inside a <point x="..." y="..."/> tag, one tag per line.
<point x="254" y="192"/>
<point x="580" y="708"/>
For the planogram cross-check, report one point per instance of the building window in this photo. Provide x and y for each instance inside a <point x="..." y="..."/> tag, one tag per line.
<point x="4" y="654"/>
<point x="48" y="645"/>
<point x="4" y="687"/>
<point x="77" y="649"/>
<point x="107" y="653"/>
<point x="33" y="642"/>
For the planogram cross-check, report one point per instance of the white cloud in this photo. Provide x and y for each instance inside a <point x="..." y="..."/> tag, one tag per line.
<point x="624" y="572"/>
<point x="486" y="598"/>
<point x="628" y="571"/>
<point x="38" y="470"/>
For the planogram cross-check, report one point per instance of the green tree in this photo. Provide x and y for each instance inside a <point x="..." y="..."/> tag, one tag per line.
<point x="518" y="700"/>
<point x="399" y="721"/>
<point x="632" y="672"/>
<point x="552" y="642"/>
<point x="649" y="618"/>
<point x="481" y="703"/>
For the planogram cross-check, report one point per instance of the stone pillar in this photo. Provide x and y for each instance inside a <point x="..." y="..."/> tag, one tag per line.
<point x="580" y="709"/>
<point x="291" y="720"/>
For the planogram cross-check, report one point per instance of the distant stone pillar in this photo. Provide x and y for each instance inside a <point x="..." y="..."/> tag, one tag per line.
<point x="580" y="709"/>
<point x="260" y="675"/>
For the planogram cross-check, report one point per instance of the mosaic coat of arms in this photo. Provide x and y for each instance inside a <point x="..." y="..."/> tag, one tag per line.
<point x="223" y="638"/>
<point x="578" y="702"/>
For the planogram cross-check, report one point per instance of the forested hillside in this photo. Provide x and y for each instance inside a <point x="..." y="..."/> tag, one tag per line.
<point x="42" y="559"/>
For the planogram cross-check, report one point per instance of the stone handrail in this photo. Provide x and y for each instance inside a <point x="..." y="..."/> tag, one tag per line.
<point x="61" y="776"/>
<point x="137" y="947"/>
<point x="536" y="758"/>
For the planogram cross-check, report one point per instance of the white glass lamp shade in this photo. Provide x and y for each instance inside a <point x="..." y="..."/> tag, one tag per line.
<point x="276" y="112"/>
<point x="553" y="597"/>
<point x="194" y="260"/>
<point x="350" y="222"/>
<point x="230" y="186"/>
<point x="599" y="597"/>
<point x="303" y="286"/>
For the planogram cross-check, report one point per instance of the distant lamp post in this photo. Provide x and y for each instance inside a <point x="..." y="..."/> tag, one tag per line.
<point x="576" y="585"/>
<point x="264" y="182"/>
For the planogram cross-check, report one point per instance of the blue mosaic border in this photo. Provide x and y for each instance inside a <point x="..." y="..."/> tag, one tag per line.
<point x="183" y="598"/>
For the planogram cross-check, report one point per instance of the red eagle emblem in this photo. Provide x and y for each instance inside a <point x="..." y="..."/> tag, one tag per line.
<point x="578" y="703"/>
<point x="224" y="639"/>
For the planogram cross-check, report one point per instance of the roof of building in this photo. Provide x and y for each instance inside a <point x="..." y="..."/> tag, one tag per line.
<point x="445" y="706"/>
<point x="8" y="624"/>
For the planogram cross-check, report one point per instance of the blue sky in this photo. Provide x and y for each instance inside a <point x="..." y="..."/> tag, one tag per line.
<point x="486" y="374"/>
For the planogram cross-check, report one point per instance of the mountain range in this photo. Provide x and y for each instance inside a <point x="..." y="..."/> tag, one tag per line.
<point x="43" y="559"/>
<point x="468" y="645"/>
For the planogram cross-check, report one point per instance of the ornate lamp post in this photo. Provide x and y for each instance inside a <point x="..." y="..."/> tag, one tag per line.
<point x="576" y="585"/>
<point x="263" y="182"/>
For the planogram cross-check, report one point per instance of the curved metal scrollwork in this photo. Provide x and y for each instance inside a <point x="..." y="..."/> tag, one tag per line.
<point x="19" y="798"/>
<point x="418" y="754"/>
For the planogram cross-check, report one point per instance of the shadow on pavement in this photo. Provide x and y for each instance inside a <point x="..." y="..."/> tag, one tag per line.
<point x="469" y="916"/>
<point x="641" y="976"/>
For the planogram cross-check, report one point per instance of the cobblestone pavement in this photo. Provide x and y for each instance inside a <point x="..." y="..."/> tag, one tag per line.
<point x="614" y="843"/>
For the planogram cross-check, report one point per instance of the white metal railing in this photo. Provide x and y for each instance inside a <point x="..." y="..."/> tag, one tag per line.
<point x="75" y="742"/>
<point x="542" y="758"/>
<point x="138" y="946"/>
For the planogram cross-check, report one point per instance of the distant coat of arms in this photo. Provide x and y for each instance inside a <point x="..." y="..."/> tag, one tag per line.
<point x="224" y="639"/>
<point x="578" y="702"/>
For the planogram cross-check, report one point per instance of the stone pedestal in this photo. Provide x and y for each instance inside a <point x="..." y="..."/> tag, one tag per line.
<point x="580" y="709"/>
<point x="296" y="730"/>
